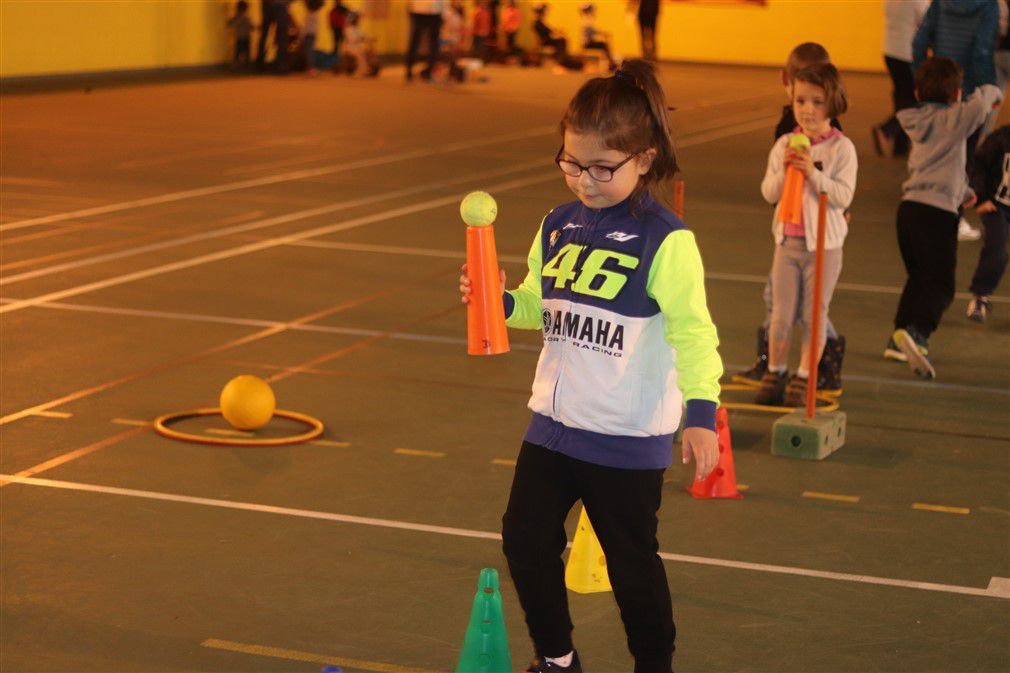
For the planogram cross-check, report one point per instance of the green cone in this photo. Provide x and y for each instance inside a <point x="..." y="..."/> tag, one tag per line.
<point x="486" y="646"/>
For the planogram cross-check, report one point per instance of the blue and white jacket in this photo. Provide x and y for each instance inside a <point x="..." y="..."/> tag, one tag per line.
<point x="627" y="334"/>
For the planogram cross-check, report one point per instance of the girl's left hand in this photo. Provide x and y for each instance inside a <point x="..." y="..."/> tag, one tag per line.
<point x="704" y="444"/>
<point x="801" y="160"/>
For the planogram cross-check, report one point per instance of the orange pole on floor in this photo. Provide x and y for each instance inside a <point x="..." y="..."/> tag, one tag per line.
<point x="815" y="316"/>
<point x="678" y="198"/>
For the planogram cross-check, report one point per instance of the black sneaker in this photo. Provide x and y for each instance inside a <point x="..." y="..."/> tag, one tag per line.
<point x="892" y="352"/>
<point x="916" y="348"/>
<point x="979" y="308"/>
<point x="540" y="665"/>
<point x="796" y="392"/>
<point x="753" y="375"/>
<point x="829" y="369"/>
<point x="773" y="387"/>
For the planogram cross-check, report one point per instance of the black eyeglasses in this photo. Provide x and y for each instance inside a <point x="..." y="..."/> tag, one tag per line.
<point x="596" y="172"/>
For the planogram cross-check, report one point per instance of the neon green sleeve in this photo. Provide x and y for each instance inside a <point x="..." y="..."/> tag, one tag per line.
<point x="677" y="283"/>
<point x="526" y="311"/>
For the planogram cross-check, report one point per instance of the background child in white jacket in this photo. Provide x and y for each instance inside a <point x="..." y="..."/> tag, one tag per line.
<point x="829" y="166"/>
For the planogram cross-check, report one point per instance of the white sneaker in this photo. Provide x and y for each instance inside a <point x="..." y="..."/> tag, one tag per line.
<point x="966" y="232"/>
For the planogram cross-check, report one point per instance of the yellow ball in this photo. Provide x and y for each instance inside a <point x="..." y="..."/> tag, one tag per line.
<point x="247" y="402"/>
<point x="478" y="209"/>
<point x="799" y="142"/>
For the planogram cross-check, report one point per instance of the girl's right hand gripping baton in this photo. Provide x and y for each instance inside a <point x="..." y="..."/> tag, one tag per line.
<point x="485" y="312"/>
<point x="791" y="203"/>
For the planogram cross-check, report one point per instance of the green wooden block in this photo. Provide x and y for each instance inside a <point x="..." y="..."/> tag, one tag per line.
<point x="796" y="436"/>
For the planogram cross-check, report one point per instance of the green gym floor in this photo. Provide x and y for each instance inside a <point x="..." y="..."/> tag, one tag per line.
<point x="159" y="240"/>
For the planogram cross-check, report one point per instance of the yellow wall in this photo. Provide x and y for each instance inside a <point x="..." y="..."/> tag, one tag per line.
<point x="40" y="37"/>
<point x="724" y="31"/>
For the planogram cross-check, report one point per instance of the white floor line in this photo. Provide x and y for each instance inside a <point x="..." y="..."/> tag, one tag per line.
<point x="282" y="177"/>
<point x="382" y="216"/>
<point x="259" y="146"/>
<point x="518" y="259"/>
<point x="318" y="231"/>
<point x="454" y="341"/>
<point x="997" y="588"/>
<point x="270" y="221"/>
<point x="318" y="211"/>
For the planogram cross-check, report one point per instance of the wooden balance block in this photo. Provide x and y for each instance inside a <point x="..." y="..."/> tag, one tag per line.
<point x="796" y="436"/>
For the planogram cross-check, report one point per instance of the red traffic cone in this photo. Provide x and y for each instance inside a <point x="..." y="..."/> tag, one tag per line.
<point x="721" y="483"/>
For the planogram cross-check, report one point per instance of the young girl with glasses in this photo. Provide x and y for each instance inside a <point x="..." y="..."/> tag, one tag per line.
<point x="616" y="284"/>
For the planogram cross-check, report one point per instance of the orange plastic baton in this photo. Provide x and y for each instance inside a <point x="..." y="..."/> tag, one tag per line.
<point x="678" y="199"/>
<point x="791" y="203"/>
<point x="485" y="313"/>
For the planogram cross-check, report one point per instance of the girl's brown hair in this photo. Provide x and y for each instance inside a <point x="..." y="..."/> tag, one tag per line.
<point x="827" y="77"/>
<point x="630" y="113"/>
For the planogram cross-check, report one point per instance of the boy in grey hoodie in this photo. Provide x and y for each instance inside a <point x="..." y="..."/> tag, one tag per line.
<point x="933" y="195"/>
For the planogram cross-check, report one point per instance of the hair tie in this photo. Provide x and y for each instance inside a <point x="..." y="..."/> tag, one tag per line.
<point x="625" y="77"/>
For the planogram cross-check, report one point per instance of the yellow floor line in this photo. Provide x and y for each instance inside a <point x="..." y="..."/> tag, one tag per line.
<point x="327" y="442"/>
<point x="941" y="508"/>
<point x="310" y="657"/>
<point x="419" y="452"/>
<point x="742" y="487"/>
<point x="503" y="461"/>
<point x="129" y="421"/>
<point x="52" y="414"/>
<point x="831" y="496"/>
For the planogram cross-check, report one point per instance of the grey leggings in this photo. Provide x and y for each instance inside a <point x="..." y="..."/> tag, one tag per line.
<point x="793" y="280"/>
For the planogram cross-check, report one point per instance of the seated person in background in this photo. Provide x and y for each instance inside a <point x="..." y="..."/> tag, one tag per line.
<point x="360" y="47"/>
<point x="593" y="38"/>
<point x="551" y="38"/>
<point x="548" y="36"/>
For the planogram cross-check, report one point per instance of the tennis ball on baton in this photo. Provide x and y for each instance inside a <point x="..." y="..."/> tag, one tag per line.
<point x="478" y="209"/>
<point x="247" y="402"/>
<point x="799" y="142"/>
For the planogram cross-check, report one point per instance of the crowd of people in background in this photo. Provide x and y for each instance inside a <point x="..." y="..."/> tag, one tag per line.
<point x="449" y="39"/>
<point x="949" y="64"/>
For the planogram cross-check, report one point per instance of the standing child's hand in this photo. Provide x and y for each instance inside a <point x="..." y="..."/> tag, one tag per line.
<point x="801" y="160"/>
<point x="704" y="444"/>
<point x="465" y="285"/>
<point x="985" y="207"/>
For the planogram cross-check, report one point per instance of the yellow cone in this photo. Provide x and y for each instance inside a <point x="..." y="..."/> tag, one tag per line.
<point x="586" y="571"/>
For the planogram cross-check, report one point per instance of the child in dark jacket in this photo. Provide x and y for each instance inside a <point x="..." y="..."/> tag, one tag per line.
<point x="989" y="175"/>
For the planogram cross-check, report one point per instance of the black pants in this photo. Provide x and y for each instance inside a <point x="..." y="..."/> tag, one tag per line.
<point x="903" y="96"/>
<point x="242" y="48"/>
<point x="992" y="261"/>
<point x="423" y="25"/>
<point x="647" y="33"/>
<point x="622" y="506"/>
<point x="927" y="238"/>
<point x="269" y="18"/>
